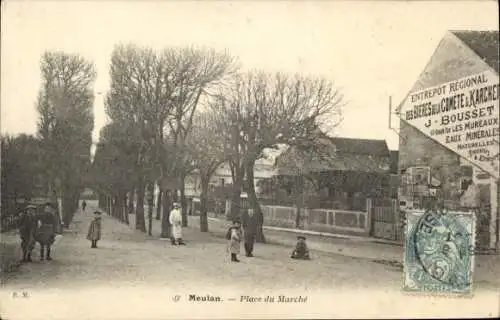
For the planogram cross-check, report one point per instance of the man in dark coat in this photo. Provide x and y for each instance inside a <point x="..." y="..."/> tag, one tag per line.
<point x="27" y="229"/>
<point x="46" y="233"/>
<point x="250" y="225"/>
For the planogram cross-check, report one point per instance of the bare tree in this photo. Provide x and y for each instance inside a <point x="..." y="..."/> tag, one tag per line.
<point x="263" y="111"/>
<point x="156" y="95"/>
<point x="139" y="100"/>
<point x="207" y="153"/>
<point x="197" y="73"/>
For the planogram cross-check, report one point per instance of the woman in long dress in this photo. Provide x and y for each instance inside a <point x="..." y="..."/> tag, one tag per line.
<point x="175" y="220"/>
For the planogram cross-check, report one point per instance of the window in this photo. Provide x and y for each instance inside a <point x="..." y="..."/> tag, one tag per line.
<point x="466" y="177"/>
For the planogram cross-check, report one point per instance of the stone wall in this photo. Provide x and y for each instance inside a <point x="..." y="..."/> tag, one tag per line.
<point x="321" y="220"/>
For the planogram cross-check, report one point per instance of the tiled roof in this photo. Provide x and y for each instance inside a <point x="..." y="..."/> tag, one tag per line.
<point x="343" y="154"/>
<point x="484" y="43"/>
<point x="361" y="146"/>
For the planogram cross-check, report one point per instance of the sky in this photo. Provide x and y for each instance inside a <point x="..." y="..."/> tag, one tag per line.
<point x="370" y="50"/>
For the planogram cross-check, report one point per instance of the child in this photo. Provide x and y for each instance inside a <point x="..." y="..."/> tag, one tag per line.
<point x="94" y="233"/>
<point x="301" y="251"/>
<point x="234" y="237"/>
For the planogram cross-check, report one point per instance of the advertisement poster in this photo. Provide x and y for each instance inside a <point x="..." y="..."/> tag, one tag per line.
<point x="461" y="115"/>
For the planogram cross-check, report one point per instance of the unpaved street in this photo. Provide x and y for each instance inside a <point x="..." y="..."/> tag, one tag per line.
<point x="134" y="275"/>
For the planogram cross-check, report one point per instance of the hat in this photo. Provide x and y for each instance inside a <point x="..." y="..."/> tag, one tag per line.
<point x="301" y="237"/>
<point x="30" y="207"/>
<point x="176" y="204"/>
<point x="97" y="212"/>
<point x="236" y="221"/>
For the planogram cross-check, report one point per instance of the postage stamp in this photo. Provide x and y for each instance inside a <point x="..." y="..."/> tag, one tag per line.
<point x="438" y="256"/>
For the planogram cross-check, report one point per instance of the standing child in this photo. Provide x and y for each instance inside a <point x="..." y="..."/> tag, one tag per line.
<point x="301" y="251"/>
<point x="234" y="237"/>
<point x="94" y="233"/>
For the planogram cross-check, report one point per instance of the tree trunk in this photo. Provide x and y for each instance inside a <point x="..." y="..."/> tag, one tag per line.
<point x="65" y="204"/>
<point x="100" y="202"/>
<point x="254" y="203"/>
<point x="299" y="190"/>
<point x="158" y="205"/>
<point x="140" y="223"/>
<point x="235" y="208"/>
<point x="299" y="197"/>
<point x="183" y="203"/>
<point x="165" y="224"/>
<point x="109" y="210"/>
<point x="118" y="207"/>
<point x="130" y="206"/>
<point x="203" y="205"/>
<point x="151" y="196"/>
<point x="125" y="209"/>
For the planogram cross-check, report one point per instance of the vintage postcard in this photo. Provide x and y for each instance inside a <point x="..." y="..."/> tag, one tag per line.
<point x="249" y="159"/>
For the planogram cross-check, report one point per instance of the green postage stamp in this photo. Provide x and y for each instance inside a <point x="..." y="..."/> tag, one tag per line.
<point x="439" y="252"/>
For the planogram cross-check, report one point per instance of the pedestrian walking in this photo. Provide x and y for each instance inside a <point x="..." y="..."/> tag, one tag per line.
<point x="175" y="220"/>
<point x="27" y="229"/>
<point x="84" y="205"/>
<point x="234" y="237"/>
<point x="301" y="251"/>
<point x="249" y="231"/>
<point x="46" y="231"/>
<point x="94" y="233"/>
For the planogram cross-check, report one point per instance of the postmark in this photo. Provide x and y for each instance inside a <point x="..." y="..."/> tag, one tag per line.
<point x="438" y="256"/>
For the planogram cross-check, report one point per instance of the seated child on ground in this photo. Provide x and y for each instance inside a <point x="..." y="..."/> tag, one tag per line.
<point x="301" y="251"/>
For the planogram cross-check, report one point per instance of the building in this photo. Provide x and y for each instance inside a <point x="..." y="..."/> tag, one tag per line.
<point x="346" y="172"/>
<point x="264" y="168"/>
<point x="449" y="130"/>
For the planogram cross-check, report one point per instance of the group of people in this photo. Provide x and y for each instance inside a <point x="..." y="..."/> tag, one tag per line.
<point x="41" y="228"/>
<point x="35" y="227"/>
<point x="175" y="219"/>
<point x="235" y="235"/>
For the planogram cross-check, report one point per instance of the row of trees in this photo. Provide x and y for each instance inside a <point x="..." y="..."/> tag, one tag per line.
<point x="185" y="111"/>
<point x="20" y="170"/>
<point x="53" y="164"/>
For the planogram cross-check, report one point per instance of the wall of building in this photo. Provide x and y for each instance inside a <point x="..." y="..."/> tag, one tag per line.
<point x="222" y="176"/>
<point x="452" y="60"/>
<point x="420" y="150"/>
